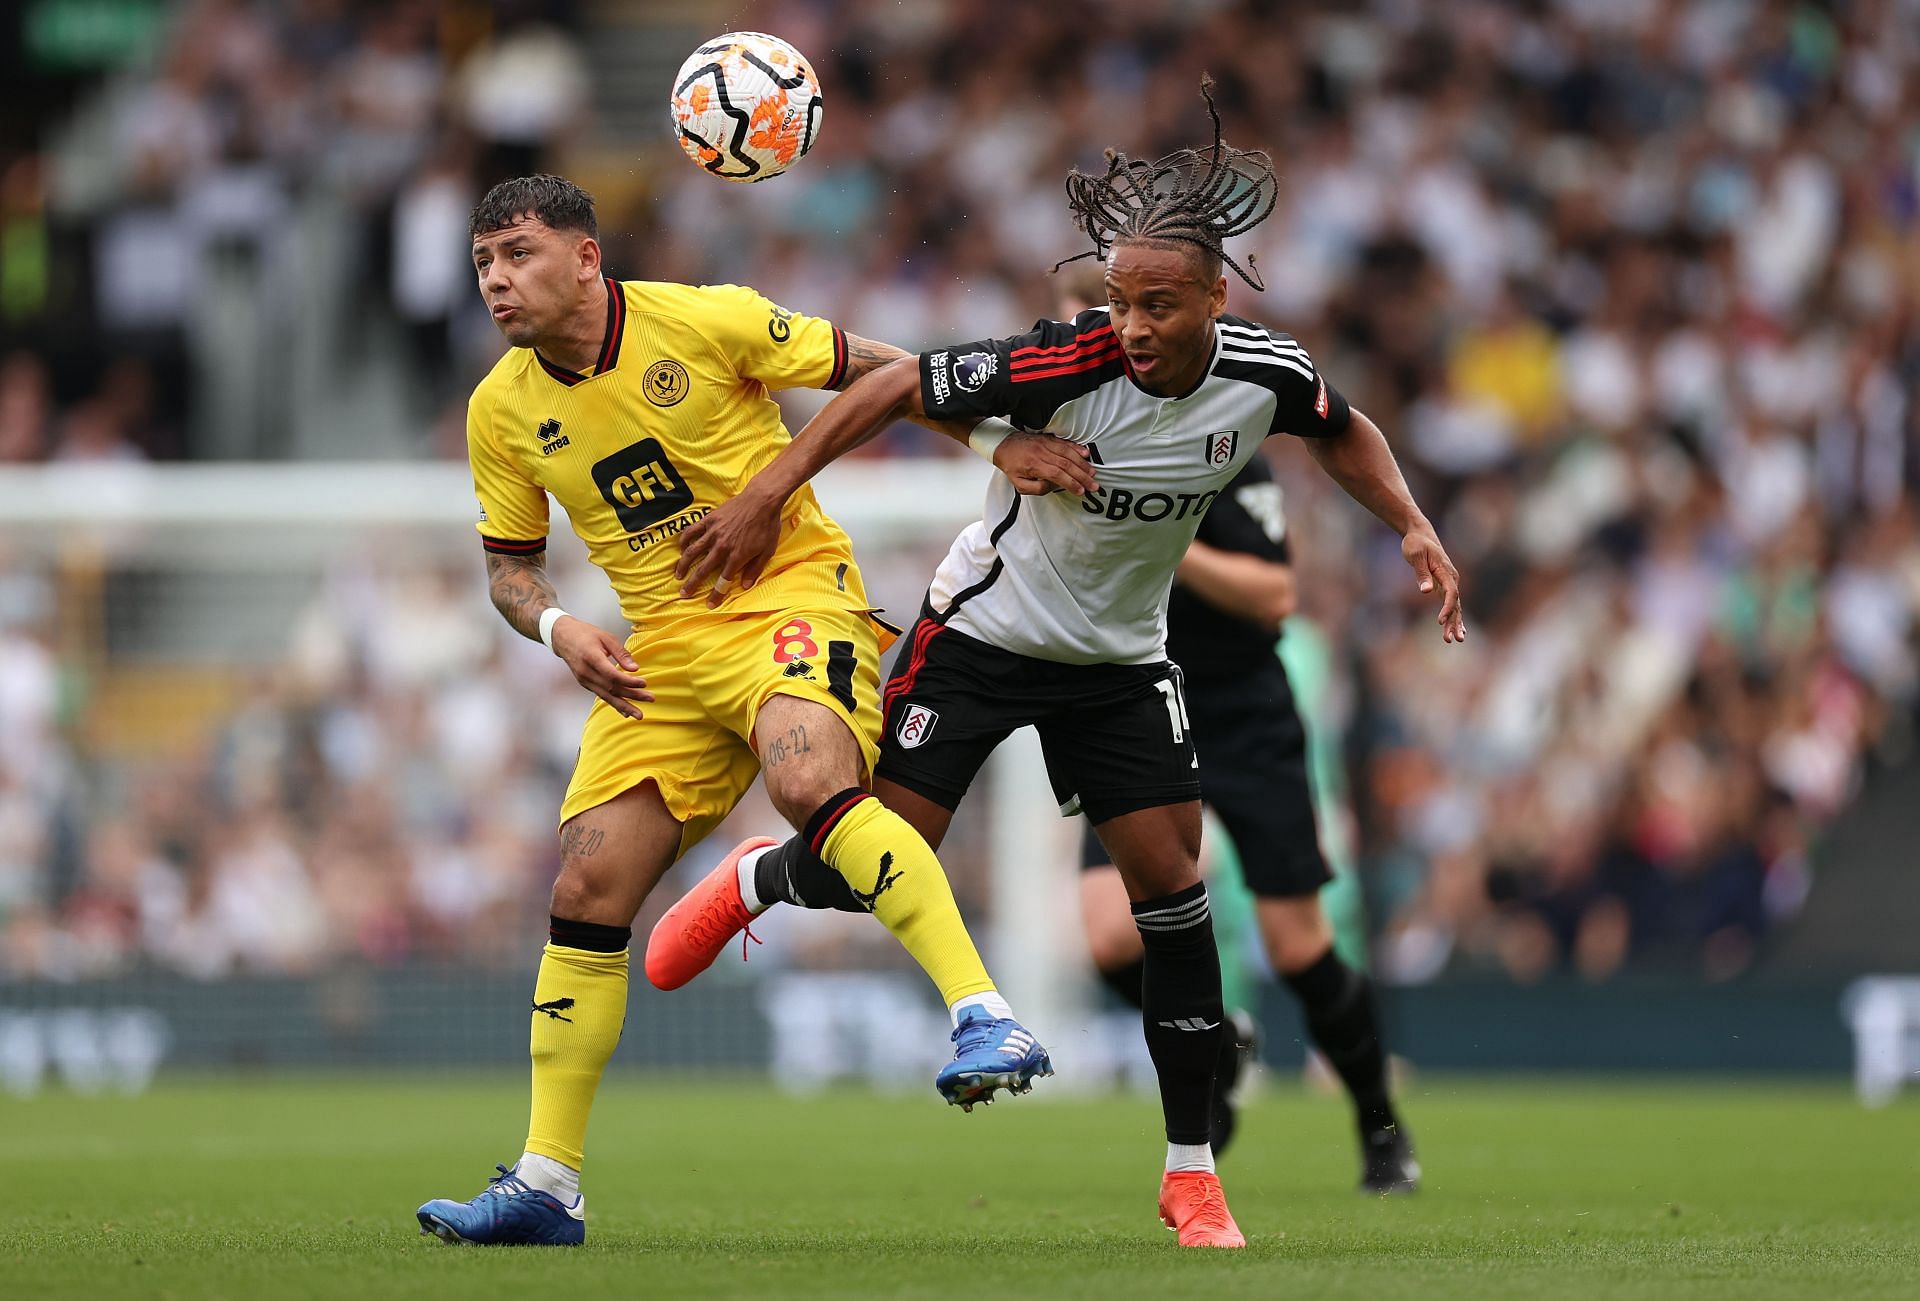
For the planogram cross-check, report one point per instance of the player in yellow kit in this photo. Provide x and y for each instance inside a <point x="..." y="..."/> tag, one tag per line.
<point x="639" y="406"/>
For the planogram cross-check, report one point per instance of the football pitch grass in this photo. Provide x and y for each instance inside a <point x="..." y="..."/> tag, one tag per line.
<point x="1537" y="1188"/>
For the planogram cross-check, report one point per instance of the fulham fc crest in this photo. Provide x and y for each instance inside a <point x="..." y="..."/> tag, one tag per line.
<point x="1221" y="447"/>
<point x="915" y="725"/>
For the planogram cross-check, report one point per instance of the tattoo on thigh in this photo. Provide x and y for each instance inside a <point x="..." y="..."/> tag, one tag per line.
<point x="581" y="842"/>
<point x="776" y="753"/>
<point x="797" y="738"/>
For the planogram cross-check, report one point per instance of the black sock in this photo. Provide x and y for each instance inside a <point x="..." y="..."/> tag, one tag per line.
<point x="798" y="875"/>
<point x="1181" y="1008"/>
<point x="1124" y="980"/>
<point x="590" y="936"/>
<point x="1338" y="1003"/>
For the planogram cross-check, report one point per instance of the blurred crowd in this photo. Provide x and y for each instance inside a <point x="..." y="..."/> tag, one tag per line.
<point x="268" y="178"/>
<point x="384" y="792"/>
<point x="1633" y="286"/>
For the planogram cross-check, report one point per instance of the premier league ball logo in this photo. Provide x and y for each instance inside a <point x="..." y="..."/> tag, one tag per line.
<point x="971" y="370"/>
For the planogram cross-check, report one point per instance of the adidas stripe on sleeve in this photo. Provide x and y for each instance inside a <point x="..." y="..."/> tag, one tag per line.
<point x="1305" y="405"/>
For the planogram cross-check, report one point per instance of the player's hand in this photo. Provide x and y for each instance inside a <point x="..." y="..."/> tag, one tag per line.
<point x="1429" y="559"/>
<point x="733" y="541"/>
<point x="1041" y="463"/>
<point x="600" y="663"/>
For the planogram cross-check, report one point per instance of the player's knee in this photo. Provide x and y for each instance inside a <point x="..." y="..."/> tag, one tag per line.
<point x="586" y="893"/>
<point x="798" y="792"/>
<point x="1296" y="933"/>
<point x="1158" y="878"/>
<point x="807" y="756"/>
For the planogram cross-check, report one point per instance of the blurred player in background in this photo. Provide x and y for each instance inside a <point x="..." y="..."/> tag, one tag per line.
<point x="639" y="406"/>
<point x="1054" y="614"/>
<point x="1230" y="595"/>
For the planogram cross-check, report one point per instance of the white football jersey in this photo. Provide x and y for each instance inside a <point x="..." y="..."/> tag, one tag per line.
<point x="1084" y="580"/>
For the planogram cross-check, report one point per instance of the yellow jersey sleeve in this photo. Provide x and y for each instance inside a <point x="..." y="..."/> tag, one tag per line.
<point x="513" y="508"/>
<point x="765" y="342"/>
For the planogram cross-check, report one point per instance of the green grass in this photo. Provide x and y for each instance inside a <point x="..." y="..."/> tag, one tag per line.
<point x="1535" y="1189"/>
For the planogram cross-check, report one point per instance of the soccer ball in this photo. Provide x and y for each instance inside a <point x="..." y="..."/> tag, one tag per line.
<point x="746" y="106"/>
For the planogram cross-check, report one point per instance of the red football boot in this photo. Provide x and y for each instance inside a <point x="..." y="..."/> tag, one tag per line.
<point x="685" y="942"/>
<point x="1193" y="1205"/>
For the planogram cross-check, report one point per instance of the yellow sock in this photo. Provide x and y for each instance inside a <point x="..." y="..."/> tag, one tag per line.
<point x="579" y="1007"/>
<point x="894" y="872"/>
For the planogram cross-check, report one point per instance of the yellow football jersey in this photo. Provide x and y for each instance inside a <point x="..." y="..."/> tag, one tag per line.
<point x="674" y="419"/>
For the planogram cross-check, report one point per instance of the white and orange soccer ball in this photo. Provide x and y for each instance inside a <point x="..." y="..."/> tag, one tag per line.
<point x="746" y="106"/>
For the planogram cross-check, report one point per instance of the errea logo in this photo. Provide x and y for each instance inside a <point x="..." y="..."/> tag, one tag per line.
<point x="551" y="439"/>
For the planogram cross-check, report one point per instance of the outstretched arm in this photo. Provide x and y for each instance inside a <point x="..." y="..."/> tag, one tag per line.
<point x="864" y="356"/>
<point x="738" y="537"/>
<point x="883" y="392"/>
<point x="1359" y="460"/>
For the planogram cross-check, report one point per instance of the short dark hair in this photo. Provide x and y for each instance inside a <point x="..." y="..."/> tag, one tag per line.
<point x="1192" y="198"/>
<point x="552" y="200"/>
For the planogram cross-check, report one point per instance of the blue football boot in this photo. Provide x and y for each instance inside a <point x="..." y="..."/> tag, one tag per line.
<point x="507" y="1213"/>
<point x="990" y="1053"/>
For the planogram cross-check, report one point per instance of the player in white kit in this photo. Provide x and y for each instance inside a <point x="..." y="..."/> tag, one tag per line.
<point x="1051" y="611"/>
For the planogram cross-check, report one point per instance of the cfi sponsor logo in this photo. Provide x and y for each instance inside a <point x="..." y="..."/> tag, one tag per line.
<point x="973" y="369"/>
<point x="1320" y="398"/>
<point x="643" y="485"/>
<point x="1221" y="447"/>
<point x="915" y="725"/>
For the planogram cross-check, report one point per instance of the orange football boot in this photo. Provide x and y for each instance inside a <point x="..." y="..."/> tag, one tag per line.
<point x="1192" y="1204"/>
<point x="689" y="937"/>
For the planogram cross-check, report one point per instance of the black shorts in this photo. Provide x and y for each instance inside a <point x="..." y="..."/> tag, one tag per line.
<point x="1114" y="735"/>
<point x="1253" y="775"/>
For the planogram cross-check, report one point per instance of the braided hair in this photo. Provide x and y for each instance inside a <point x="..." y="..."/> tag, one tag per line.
<point x="1193" y="196"/>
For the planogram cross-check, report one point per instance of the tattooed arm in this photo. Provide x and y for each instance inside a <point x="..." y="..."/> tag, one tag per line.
<point x="520" y="590"/>
<point x="599" y="661"/>
<point x="867" y="355"/>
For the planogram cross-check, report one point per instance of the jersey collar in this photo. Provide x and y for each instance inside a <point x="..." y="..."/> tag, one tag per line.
<point x="609" y="347"/>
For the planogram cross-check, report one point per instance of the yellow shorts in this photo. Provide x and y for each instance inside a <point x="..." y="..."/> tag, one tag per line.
<point x="709" y="674"/>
